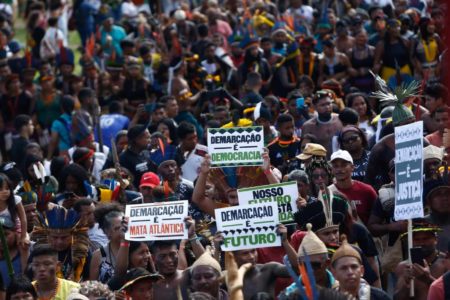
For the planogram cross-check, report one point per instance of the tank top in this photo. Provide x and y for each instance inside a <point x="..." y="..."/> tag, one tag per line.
<point x="395" y="52"/>
<point x="333" y="67"/>
<point x="362" y="63"/>
<point x="106" y="268"/>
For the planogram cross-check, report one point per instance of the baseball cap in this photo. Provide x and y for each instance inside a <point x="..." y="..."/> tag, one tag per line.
<point x="342" y="154"/>
<point x="136" y="274"/>
<point x="149" y="179"/>
<point x="312" y="149"/>
<point x="432" y="151"/>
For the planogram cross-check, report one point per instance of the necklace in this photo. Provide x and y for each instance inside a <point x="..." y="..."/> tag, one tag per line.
<point x="52" y="294"/>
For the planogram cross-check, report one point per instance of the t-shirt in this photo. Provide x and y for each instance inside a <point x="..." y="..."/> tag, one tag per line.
<point x="110" y="125"/>
<point x="18" y="149"/>
<point x="436" y="291"/>
<point x="137" y="164"/>
<point x="62" y="126"/>
<point x="64" y="288"/>
<point x="282" y="154"/>
<point x="363" y="196"/>
<point x="360" y="166"/>
<point x="17" y="267"/>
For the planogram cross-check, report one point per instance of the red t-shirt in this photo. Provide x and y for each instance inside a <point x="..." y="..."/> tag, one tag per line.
<point x="363" y="195"/>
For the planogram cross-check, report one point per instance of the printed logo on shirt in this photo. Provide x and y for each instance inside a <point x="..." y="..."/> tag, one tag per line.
<point x="142" y="167"/>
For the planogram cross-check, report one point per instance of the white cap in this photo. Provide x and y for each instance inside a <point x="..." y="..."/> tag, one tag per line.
<point x="431" y="151"/>
<point x="179" y="15"/>
<point x="342" y="154"/>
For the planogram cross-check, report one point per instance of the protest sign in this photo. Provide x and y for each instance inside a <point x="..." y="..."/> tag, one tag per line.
<point x="284" y="194"/>
<point x="156" y="221"/>
<point x="248" y="226"/>
<point x="240" y="146"/>
<point x="408" y="171"/>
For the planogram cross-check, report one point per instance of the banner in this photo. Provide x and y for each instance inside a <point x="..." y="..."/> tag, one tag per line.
<point x="248" y="226"/>
<point x="284" y="194"/>
<point x="156" y="221"/>
<point x="239" y="146"/>
<point x="408" y="171"/>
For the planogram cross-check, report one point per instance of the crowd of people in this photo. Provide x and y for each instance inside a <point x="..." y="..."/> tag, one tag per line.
<point x="123" y="118"/>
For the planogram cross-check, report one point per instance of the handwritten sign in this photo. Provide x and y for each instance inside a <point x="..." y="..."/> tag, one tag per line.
<point x="156" y="221"/>
<point x="284" y="194"/>
<point x="248" y="226"/>
<point x="239" y="146"/>
<point x="408" y="171"/>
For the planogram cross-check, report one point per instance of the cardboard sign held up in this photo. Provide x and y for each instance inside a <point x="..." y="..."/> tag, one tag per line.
<point x="284" y="194"/>
<point x="248" y="226"/>
<point x="239" y="146"/>
<point x="157" y="221"/>
<point x="409" y="171"/>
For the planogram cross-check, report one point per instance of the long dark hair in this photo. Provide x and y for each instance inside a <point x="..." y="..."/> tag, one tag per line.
<point x="77" y="172"/>
<point x="10" y="201"/>
<point x="351" y="97"/>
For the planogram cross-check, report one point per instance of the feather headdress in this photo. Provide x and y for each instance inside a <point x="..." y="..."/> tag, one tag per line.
<point x="397" y="96"/>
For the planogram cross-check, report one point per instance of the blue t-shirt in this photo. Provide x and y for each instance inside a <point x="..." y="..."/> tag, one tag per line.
<point x="110" y="125"/>
<point x="17" y="266"/>
<point x="62" y="126"/>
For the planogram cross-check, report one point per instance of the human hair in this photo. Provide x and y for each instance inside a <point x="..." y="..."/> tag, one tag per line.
<point x="167" y="98"/>
<point x="115" y="107"/>
<point x="158" y="105"/>
<point x="318" y="163"/>
<point x="105" y="213"/>
<point x="253" y="79"/>
<point x="20" y="283"/>
<point x="306" y="80"/>
<point x="319" y="95"/>
<point x="85" y="93"/>
<point x="436" y="90"/>
<point x="56" y="165"/>
<point x="310" y="137"/>
<point x="294" y="95"/>
<point x="80" y="155"/>
<point x="80" y="203"/>
<point x="67" y="104"/>
<point x="52" y="22"/>
<point x="184" y="129"/>
<point x="20" y="121"/>
<point x="11" y="200"/>
<point x="120" y="134"/>
<point x="161" y="244"/>
<point x="361" y="134"/>
<point x="351" y="98"/>
<point x="298" y="175"/>
<point x="95" y="289"/>
<point x="202" y="30"/>
<point x="44" y="250"/>
<point x="284" y="118"/>
<point x="349" y="116"/>
<point x="172" y="129"/>
<point x="77" y="172"/>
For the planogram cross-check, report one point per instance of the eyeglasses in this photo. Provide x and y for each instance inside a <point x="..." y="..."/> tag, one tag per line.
<point x="318" y="175"/>
<point x="351" y="139"/>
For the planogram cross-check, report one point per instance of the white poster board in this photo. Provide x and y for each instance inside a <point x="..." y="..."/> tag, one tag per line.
<point x="285" y="194"/>
<point x="156" y="221"/>
<point x="248" y="226"/>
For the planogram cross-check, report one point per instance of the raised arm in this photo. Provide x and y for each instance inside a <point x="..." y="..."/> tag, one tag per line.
<point x="198" y="196"/>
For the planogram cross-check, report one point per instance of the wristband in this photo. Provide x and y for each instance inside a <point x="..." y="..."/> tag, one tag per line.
<point x="125" y="244"/>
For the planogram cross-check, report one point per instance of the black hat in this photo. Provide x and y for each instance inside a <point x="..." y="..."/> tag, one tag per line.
<point x="136" y="131"/>
<point x="315" y="213"/>
<point x="136" y="274"/>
